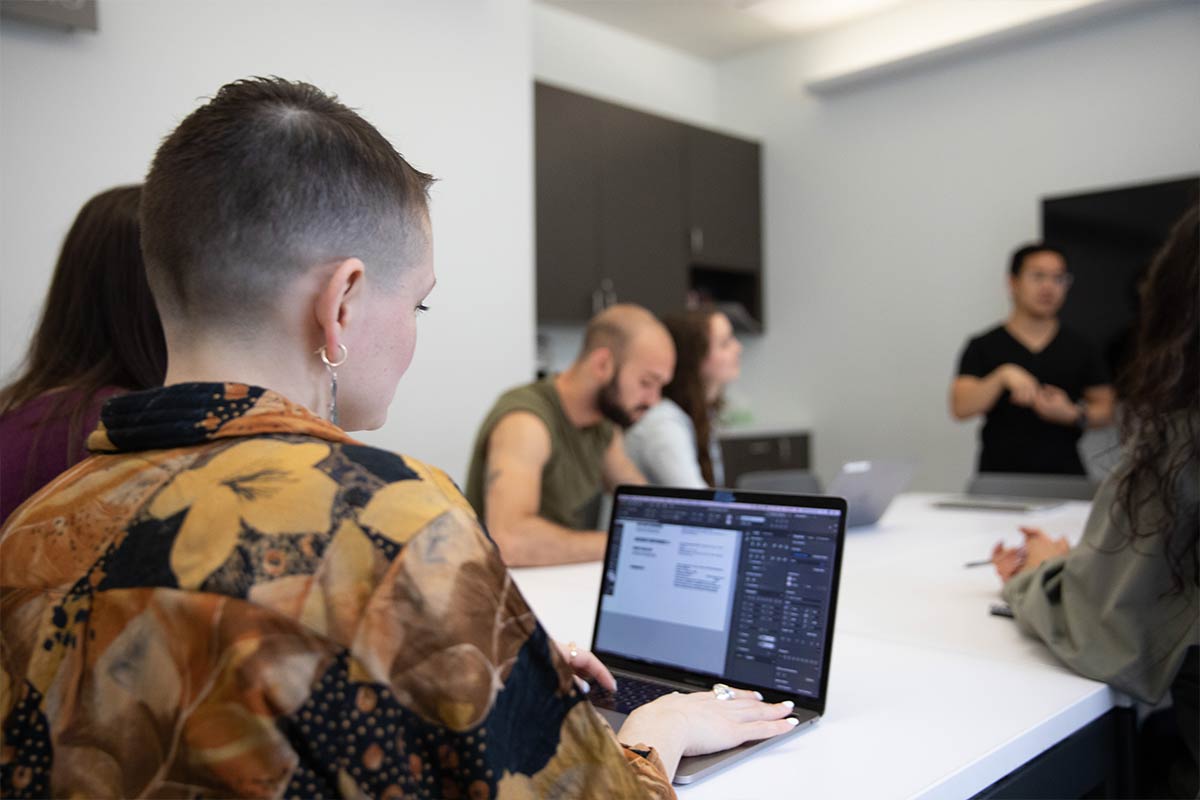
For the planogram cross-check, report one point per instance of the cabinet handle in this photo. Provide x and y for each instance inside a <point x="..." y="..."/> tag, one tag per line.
<point x="697" y="240"/>
<point x="607" y="294"/>
<point x="610" y="294"/>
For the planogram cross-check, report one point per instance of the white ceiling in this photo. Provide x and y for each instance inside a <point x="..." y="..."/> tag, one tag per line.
<point x="716" y="29"/>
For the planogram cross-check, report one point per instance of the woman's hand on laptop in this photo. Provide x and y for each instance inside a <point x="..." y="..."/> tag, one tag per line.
<point x="585" y="665"/>
<point x="697" y="723"/>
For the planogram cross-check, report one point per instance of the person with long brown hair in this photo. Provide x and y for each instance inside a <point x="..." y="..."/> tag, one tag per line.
<point x="99" y="335"/>
<point x="1123" y="606"/>
<point x="675" y="442"/>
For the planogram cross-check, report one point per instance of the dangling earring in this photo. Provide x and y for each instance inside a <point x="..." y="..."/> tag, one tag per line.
<point x="332" y="367"/>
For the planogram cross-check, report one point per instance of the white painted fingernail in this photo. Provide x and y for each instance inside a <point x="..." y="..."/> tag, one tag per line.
<point x="789" y="703"/>
<point x="758" y="695"/>
<point x="793" y="721"/>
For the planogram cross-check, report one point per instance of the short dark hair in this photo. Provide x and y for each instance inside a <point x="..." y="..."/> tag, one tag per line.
<point x="267" y="179"/>
<point x="1026" y="250"/>
<point x="601" y="332"/>
<point x="615" y="328"/>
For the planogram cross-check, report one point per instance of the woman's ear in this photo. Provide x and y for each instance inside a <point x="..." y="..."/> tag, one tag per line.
<point x="337" y="302"/>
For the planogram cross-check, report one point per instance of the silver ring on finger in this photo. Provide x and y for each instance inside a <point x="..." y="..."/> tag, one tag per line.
<point x="722" y="691"/>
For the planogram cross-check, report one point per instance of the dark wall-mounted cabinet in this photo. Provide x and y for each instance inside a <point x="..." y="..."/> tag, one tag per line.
<point x="641" y="209"/>
<point x="634" y="207"/>
<point x="567" y="187"/>
<point x="724" y="201"/>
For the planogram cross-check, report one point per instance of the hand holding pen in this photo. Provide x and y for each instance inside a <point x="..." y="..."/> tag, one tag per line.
<point x="1037" y="547"/>
<point x="1007" y="560"/>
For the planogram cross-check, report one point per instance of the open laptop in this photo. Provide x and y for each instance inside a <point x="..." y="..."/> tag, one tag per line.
<point x="705" y="586"/>
<point x="869" y="488"/>
<point x="982" y="502"/>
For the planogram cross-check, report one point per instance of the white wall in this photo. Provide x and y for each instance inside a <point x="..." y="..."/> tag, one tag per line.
<point x="891" y="208"/>
<point x="598" y="60"/>
<point x="448" y="83"/>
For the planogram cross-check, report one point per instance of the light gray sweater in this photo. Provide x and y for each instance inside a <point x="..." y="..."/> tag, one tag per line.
<point x="663" y="446"/>
<point x="1107" y="609"/>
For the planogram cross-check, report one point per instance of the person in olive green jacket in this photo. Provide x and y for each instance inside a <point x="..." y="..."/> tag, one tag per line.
<point x="546" y="451"/>
<point x="1123" y="606"/>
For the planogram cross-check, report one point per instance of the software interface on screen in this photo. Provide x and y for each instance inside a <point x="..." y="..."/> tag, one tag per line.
<point x="737" y="590"/>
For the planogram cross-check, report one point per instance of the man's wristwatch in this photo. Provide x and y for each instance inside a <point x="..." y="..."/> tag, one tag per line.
<point x="1081" y="421"/>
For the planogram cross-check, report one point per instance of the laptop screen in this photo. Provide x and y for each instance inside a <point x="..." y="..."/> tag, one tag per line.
<point x="722" y="586"/>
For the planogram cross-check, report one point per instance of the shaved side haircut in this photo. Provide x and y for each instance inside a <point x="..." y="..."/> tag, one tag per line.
<point x="266" y="180"/>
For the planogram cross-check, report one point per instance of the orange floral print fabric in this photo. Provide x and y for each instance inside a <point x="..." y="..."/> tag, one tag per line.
<point x="232" y="597"/>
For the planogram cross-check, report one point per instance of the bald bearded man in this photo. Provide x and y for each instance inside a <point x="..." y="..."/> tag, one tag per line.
<point x="547" y="450"/>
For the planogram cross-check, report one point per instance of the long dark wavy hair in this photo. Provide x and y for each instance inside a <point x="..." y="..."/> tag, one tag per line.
<point x="99" y="326"/>
<point x="1160" y="427"/>
<point x="692" y="332"/>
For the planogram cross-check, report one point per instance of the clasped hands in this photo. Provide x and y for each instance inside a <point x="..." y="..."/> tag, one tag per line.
<point x="1047" y="401"/>
<point x="1037" y="548"/>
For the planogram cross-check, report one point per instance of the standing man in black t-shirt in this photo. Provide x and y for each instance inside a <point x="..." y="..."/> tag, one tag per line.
<point x="1039" y="384"/>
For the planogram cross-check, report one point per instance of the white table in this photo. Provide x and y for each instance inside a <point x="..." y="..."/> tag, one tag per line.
<point x="929" y="695"/>
<point x="903" y="579"/>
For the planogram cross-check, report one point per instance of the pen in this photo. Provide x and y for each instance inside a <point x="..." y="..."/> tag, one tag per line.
<point x="981" y="563"/>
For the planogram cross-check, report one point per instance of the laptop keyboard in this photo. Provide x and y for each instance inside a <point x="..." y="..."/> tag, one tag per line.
<point x="630" y="694"/>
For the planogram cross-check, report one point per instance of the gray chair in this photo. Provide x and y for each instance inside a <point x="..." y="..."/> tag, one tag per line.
<point x="1023" y="484"/>
<point x="799" y="481"/>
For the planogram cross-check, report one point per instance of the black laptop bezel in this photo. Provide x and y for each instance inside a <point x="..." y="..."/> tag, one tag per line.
<point x="702" y="680"/>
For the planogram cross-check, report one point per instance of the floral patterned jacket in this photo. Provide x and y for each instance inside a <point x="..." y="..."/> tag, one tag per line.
<point x="232" y="597"/>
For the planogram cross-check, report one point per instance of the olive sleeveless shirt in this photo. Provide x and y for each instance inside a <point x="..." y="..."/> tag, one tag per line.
<point x="572" y="480"/>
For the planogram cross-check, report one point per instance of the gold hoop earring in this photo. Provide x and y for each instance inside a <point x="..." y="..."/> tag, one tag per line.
<point x="333" y="382"/>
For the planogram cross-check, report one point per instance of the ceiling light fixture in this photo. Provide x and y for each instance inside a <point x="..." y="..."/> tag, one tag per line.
<point x="805" y="16"/>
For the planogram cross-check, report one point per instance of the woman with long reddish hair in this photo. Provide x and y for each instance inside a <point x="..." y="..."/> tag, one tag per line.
<point x="675" y="443"/>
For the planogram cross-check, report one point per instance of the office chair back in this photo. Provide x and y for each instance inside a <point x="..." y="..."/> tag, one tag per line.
<point x="799" y="481"/>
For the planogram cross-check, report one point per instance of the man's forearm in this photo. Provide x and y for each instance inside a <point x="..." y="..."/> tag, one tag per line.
<point x="1099" y="413"/>
<point x="977" y="396"/>
<point x="535" y="541"/>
